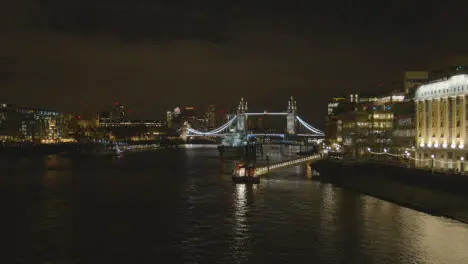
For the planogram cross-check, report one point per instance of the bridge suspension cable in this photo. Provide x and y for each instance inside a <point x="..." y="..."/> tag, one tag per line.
<point x="309" y="127"/>
<point x="214" y="131"/>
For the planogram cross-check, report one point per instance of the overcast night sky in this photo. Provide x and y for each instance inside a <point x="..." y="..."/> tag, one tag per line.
<point x="155" y="55"/>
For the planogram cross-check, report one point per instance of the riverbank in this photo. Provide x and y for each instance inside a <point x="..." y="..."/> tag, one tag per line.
<point x="435" y="193"/>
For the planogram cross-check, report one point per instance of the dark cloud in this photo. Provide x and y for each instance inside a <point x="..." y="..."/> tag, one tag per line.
<point x="154" y="55"/>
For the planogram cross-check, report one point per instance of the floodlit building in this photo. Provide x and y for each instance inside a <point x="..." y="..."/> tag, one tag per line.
<point x="441" y="119"/>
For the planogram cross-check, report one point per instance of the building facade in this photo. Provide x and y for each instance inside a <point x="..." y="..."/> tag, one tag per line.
<point x="441" y="117"/>
<point x="30" y="124"/>
<point x="360" y="123"/>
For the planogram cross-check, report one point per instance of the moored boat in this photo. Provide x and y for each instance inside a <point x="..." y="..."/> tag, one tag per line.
<point x="244" y="174"/>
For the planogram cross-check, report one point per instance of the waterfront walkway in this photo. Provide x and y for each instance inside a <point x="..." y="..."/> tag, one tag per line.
<point x="288" y="163"/>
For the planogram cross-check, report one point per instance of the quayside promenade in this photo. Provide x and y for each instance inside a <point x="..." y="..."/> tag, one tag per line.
<point x="435" y="192"/>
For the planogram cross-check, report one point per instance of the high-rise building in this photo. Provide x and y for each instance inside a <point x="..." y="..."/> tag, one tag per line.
<point x="121" y="112"/>
<point x="105" y="117"/>
<point x="441" y="123"/>
<point x="169" y="117"/>
<point x="174" y="118"/>
<point x="413" y="79"/>
<point x="210" y="117"/>
<point x="118" y="112"/>
<point x="189" y="113"/>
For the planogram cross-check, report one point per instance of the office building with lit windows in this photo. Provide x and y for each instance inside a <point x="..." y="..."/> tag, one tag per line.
<point x="441" y="119"/>
<point x="360" y="123"/>
<point x="30" y="124"/>
<point x="211" y="117"/>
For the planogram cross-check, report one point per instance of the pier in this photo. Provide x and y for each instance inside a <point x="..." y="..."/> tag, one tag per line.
<point x="262" y="170"/>
<point x="285" y="164"/>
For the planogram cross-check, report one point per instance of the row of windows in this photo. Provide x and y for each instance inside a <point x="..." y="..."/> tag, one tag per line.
<point x="382" y="116"/>
<point x="448" y="90"/>
<point x="441" y="135"/>
<point x="404" y="133"/>
<point x="442" y="124"/>
<point x="367" y="124"/>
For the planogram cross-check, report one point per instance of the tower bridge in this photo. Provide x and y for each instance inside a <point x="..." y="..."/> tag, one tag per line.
<point x="236" y="125"/>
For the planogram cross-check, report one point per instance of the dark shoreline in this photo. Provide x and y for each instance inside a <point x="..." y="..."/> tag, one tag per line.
<point x="436" y="195"/>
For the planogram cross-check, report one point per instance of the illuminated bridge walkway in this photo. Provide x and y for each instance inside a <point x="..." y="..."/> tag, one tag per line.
<point x="288" y="163"/>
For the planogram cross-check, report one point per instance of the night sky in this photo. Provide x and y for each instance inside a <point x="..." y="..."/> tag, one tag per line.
<point x="156" y="55"/>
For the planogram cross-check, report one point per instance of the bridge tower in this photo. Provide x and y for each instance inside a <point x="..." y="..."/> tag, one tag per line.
<point x="184" y="130"/>
<point x="291" y="117"/>
<point x="241" y="117"/>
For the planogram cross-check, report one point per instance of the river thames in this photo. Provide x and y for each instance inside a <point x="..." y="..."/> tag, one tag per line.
<point x="178" y="206"/>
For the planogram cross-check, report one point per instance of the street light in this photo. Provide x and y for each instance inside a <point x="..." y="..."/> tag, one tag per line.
<point x="432" y="156"/>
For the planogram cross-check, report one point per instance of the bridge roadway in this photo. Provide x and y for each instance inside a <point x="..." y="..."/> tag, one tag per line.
<point x="288" y="163"/>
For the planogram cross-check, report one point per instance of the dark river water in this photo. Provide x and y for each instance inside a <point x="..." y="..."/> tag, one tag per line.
<point x="177" y="206"/>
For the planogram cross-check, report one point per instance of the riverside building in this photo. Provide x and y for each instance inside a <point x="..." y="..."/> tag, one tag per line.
<point x="441" y="119"/>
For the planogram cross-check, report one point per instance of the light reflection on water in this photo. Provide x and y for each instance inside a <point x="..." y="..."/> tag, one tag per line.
<point x="174" y="205"/>
<point x="241" y="229"/>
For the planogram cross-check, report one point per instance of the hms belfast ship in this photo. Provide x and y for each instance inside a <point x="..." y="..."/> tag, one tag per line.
<point x="234" y="142"/>
<point x="232" y="146"/>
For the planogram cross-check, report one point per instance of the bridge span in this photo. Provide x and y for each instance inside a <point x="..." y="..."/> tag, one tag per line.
<point x="237" y="124"/>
